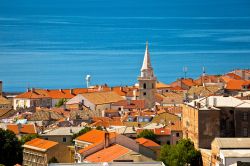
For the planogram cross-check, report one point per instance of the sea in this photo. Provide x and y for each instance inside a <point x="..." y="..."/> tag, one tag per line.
<point x="56" y="43"/>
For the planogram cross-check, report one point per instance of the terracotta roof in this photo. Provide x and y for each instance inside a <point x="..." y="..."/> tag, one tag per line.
<point x="160" y="85"/>
<point x="203" y="91"/>
<point x="102" y="97"/>
<point x="157" y="131"/>
<point x="165" y="118"/>
<point x="176" y="88"/>
<point x="40" y="144"/>
<point x="237" y="84"/>
<point x="146" y="142"/>
<point x="60" y="94"/>
<point x="188" y="82"/>
<point x="34" y="94"/>
<point x="106" y="121"/>
<point x="233" y="76"/>
<point x="132" y="104"/>
<point x="108" y="154"/>
<point x="95" y="136"/>
<point x="4" y="101"/>
<point x="25" y="128"/>
<point x="207" y="79"/>
<point x="119" y="90"/>
<point x="162" y="131"/>
<point x="44" y="115"/>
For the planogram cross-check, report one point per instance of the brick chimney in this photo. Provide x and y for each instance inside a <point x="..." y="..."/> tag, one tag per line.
<point x="19" y="127"/>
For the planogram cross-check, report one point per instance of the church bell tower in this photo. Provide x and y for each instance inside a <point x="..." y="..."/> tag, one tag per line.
<point x="147" y="81"/>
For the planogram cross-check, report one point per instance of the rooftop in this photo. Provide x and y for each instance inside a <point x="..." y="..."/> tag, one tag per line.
<point x="24" y="128"/>
<point x="108" y="154"/>
<point x="233" y="143"/>
<point x="146" y="142"/>
<point x="63" y="131"/>
<point x="40" y="144"/>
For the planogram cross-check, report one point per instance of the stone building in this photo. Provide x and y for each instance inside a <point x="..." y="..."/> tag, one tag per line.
<point x="39" y="152"/>
<point x="147" y="81"/>
<point x="215" y="116"/>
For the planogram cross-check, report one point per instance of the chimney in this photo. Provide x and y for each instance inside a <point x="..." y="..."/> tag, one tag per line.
<point x="32" y="89"/>
<point x="70" y="130"/>
<point x="207" y="102"/>
<point x="198" y="105"/>
<point x="106" y="140"/>
<point x="19" y="127"/>
<point x="28" y="89"/>
<point x="243" y="74"/>
<point x="60" y="90"/>
<point x="71" y="91"/>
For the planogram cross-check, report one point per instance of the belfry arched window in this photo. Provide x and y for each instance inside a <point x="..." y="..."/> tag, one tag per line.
<point x="144" y="86"/>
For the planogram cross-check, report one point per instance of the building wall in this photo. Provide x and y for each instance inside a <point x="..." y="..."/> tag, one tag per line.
<point x="175" y="138"/>
<point x="21" y="103"/>
<point x="135" y="157"/>
<point x="164" y="139"/>
<point x="242" y="120"/>
<point x="148" y="93"/>
<point x="73" y="106"/>
<point x="33" y="157"/>
<point x="61" y="152"/>
<point x="231" y="160"/>
<point x="58" y="138"/>
<point x="190" y="124"/>
<point x="209" y="127"/>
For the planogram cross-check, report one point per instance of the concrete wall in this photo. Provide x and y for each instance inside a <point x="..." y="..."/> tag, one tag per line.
<point x="61" y="152"/>
<point x="149" y="90"/>
<point x="209" y="127"/>
<point x="231" y="160"/>
<point x="58" y="138"/>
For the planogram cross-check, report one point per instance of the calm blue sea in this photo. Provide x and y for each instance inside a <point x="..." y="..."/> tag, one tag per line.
<point x="56" y="43"/>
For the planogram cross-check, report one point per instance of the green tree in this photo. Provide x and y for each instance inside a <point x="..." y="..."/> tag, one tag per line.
<point x="181" y="154"/>
<point x="11" y="151"/>
<point x="99" y="128"/>
<point x="149" y="134"/>
<point x="81" y="132"/>
<point x="53" y="160"/>
<point x="28" y="137"/>
<point x="60" y="102"/>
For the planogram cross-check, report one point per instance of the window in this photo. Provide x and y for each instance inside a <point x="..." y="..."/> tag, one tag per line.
<point x="64" y="139"/>
<point x="177" y="134"/>
<point x="245" y="116"/>
<point x="46" y="138"/>
<point x="168" y="142"/>
<point x="144" y="93"/>
<point x="144" y="86"/>
<point x="245" y="132"/>
<point x="153" y="86"/>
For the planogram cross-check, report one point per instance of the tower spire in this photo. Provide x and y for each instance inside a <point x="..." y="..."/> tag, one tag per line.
<point x="146" y="61"/>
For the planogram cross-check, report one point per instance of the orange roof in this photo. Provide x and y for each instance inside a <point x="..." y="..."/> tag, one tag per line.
<point x="159" y="131"/>
<point x="25" y="128"/>
<point x="38" y="144"/>
<point x="132" y="104"/>
<point x="108" y="154"/>
<point x="188" y="82"/>
<point x="119" y="91"/>
<point x="160" y="85"/>
<point x="234" y="76"/>
<point x="106" y="121"/>
<point x="146" y="142"/>
<point x="176" y="88"/>
<point x="95" y="136"/>
<point x="60" y="94"/>
<point x="34" y="94"/>
<point x="237" y="84"/>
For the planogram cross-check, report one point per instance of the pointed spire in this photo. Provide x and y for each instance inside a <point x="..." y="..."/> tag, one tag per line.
<point x="146" y="61"/>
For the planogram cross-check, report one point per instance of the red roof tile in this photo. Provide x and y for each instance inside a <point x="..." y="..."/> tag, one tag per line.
<point x="146" y="142"/>
<point x="25" y="128"/>
<point x="40" y="144"/>
<point x="95" y="136"/>
<point x="108" y="154"/>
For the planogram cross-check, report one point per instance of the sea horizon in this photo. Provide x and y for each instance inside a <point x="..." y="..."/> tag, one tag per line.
<point x="55" y="45"/>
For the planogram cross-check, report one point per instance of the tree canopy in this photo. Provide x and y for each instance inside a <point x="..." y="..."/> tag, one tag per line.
<point x="28" y="137"/>
<point x="180" y="154"/>
<point x="60" y="102"/>
<point x="147" y="134"/>
<point x="11" y="151"/>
